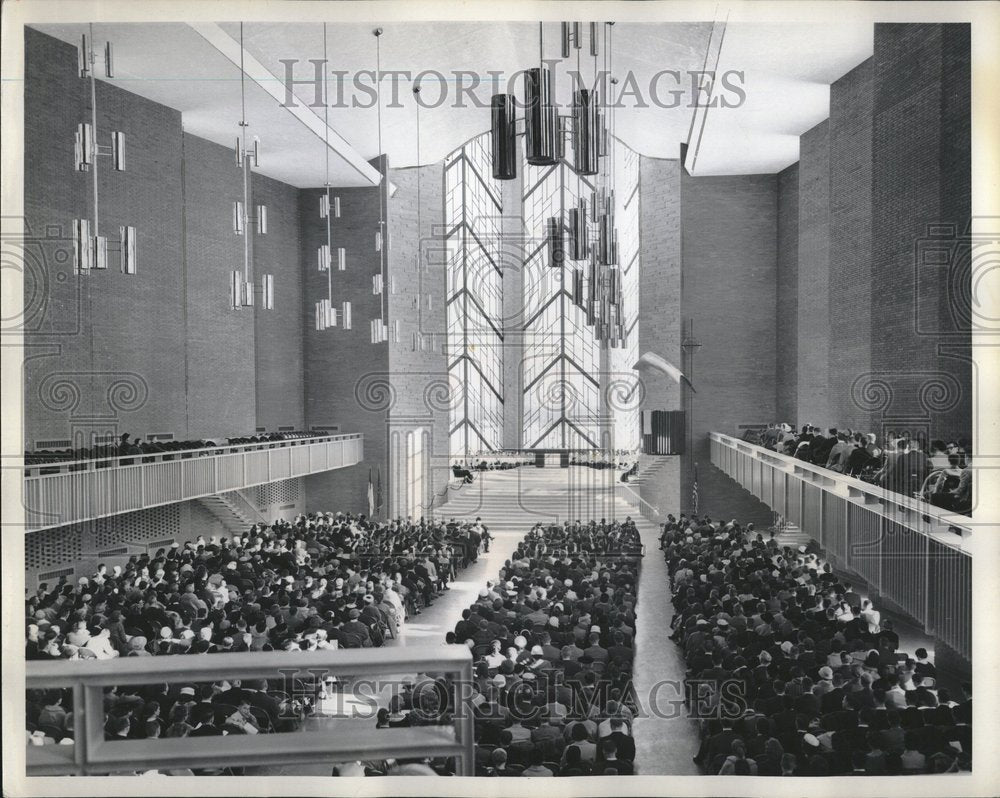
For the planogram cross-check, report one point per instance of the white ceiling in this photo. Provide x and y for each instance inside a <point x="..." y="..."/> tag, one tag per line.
<point x="788" y="69"/>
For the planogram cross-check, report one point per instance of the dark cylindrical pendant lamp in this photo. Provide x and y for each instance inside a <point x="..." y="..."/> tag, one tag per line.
<point x="603" y="240"/>
<point x="503" y="137"/>
<point x="578" y="297"/>
<point x="539" y="117"/>
<point x="573" y="227"/>
<point x="585" y="138"/>
<point x="592" y="288"/>
<point x="557" y="249"/>
<point x="560" y="137"/>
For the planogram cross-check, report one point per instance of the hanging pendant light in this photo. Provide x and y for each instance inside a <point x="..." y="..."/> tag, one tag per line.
<point x="327" y="316"/>
<point x="539" y="118"/>
<point x="503" y="137"/>
<point x="556" y="242"/>
<point x="247" y="217"/>
<point x="540" y="126"/>
<point x="586" y="139"/>
<point x="379" y="327"/>
<point x="90" y="247"/>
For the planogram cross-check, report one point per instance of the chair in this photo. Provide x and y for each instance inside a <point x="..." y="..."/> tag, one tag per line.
<point x="263" y="720"/>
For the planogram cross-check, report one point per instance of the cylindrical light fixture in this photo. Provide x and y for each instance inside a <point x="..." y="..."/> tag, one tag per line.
<point x="585" y="135"/>
<point x="539" y="118"/>
<point x="557" y="248"/>
<point x="573" y="225"/>
<point x="503" y="137"/>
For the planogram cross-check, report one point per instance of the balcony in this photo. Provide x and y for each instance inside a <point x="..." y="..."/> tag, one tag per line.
<point x="91" y="754"/>
<point x="65" y="493"/>
<point x="911" y="552"/>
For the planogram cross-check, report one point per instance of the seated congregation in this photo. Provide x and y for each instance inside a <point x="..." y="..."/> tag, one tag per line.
<point x="793" y="672"/>
<point x="321" y="582"/>
<point x="553" y="645"/>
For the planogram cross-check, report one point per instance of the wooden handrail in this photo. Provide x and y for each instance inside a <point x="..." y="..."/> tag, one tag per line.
<point x="847" y="486"/>
<point x="102" y="462"/>
<point x="92" y="754"/>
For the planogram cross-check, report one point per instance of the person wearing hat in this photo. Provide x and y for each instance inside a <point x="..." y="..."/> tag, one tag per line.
<point x="137" y="647"/>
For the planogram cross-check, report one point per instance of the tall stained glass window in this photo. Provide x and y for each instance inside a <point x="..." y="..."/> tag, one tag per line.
<point x="473" y="209"/>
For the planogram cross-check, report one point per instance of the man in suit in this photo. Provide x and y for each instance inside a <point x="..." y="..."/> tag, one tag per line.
<point x="595" y="651"/>
<point x="203" y="720"/>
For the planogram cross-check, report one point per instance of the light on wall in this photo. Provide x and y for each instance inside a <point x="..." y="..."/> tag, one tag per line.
<point x="90" y="247"/>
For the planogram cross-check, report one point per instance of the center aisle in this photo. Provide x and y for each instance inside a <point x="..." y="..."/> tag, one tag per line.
<point x="665" y="740"/>
<point x="510" y="503"/>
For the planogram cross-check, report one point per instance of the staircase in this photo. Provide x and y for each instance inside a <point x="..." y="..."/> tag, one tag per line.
<point x="649" y="468"/>
<point x="233" y="510"/>
<point x="513" y="501"/>
<point x="791" y="535"/>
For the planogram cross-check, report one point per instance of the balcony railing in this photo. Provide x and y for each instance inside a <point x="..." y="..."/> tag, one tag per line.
<point x="913" y="553"/>
<point x="64" y="493"/>
<point x="91" y="754"/>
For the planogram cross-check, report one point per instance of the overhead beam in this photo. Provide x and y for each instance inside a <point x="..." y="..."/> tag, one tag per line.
<point x="262" y="76"/>
<point x="713" y="53"/>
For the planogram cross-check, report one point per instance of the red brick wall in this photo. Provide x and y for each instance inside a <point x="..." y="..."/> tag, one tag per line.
<point x="160" y="351"/>
<point x="729" y="235"/>
<point x="814" y="278"/>
<point x="786" y="384"/>
<point x="850" y="243"/>
<point x="346" y="376"/>
<point x="419" y="375"/>
<point x="920" y="187"/>
<point x="279" y="333"/>
<point x="83" y="336"/>
<point x="220" y="341"/>
<point x="659" y="327"/>
<point x="884" y="179"/>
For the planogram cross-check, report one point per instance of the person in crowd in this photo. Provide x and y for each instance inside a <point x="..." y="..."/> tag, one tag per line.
<point x="826" y="688"/>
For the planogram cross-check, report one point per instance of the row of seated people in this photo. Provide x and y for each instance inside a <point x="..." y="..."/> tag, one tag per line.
<point x="314" y="584"/>
<point x="940" y="473"/>
<point x="800" y="674"/>
<point x="601" y="464"/>
<point x="553" y="640"/>
<point x="127" y="446"/>
<point x="500" y="465"/>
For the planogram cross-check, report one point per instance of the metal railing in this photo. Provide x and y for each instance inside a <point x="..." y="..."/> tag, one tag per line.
<point x="89" y="489"/>
<point x="91" y="754"/>
<point x="909" y="551"/>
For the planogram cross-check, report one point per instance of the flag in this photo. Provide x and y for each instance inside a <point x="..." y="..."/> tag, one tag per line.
<point x="378" y="492"/>
<point x="371" y="495"/>
<point x="694" y="492"/>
